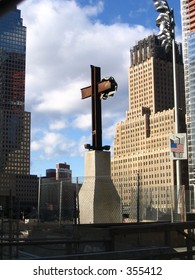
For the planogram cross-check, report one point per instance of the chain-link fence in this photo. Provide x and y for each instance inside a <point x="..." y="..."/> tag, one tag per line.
<point x="61" y="201"/>
<point x="57" y="200"/>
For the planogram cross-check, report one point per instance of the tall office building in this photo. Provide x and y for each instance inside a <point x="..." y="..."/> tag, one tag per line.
<point x="15" y="178"/>
<point x="188" y="34"/>
<point x="141" y="143"/>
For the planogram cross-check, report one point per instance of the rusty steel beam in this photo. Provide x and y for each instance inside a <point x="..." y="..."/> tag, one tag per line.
<point x="102" y="87"/>
<point x="96" y="109"/>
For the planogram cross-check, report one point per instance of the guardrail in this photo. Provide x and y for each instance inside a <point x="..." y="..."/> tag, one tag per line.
<point x="119" y="241"/>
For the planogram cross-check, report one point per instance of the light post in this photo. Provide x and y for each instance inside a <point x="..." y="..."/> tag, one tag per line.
<point x="138" y="196"/>
<point x="165" y="21"/>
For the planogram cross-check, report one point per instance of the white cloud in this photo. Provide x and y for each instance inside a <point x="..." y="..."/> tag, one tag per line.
<point x="79" y="148"/>
<point x="63" y="40"/>
<point x="58" y="124"/>
<point x="61" y="101"/>
<point x="83" y="121"/>
<point x="52" y="144"/>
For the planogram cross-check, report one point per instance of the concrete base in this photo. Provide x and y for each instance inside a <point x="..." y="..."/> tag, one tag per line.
<point x="99" y="201"/>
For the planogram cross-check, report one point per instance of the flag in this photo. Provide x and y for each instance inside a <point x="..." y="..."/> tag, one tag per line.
<point x="177" y="148"/>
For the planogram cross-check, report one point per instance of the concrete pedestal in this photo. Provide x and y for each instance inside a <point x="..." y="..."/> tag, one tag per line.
<point x="99" y="201"/>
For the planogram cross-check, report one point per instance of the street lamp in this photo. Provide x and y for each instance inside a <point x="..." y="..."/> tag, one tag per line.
<point x="165" y="21"/>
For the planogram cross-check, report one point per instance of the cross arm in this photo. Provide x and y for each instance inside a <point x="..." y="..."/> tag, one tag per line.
<point x="103" y="87"/>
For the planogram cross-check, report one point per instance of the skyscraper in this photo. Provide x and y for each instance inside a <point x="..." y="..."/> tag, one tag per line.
<point x="141" y="143"/>
<point x="15" y="179"/>
<point x="188" y="37"/>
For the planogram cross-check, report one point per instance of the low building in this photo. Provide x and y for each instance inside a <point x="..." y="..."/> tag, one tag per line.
<point x="58" y="195"/>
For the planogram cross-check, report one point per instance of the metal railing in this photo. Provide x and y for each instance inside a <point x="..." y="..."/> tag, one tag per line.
<point x="159" y="240"/>
<point x="59" y="201"/>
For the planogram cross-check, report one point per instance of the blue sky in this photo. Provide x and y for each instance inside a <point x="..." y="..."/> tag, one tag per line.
<point x="63" y="39"/>
<point x="131" y="11"/>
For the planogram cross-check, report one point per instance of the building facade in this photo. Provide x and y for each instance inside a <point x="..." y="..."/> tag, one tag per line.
<point x="62" y="171"/>
<point x="188" y="37"/>
<point x="15" y="178"/>
<point x="141" y="144"/>
<point x="58" y="194"/>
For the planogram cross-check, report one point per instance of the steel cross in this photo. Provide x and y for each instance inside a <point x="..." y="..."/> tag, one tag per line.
<point x="95" y="91"/>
